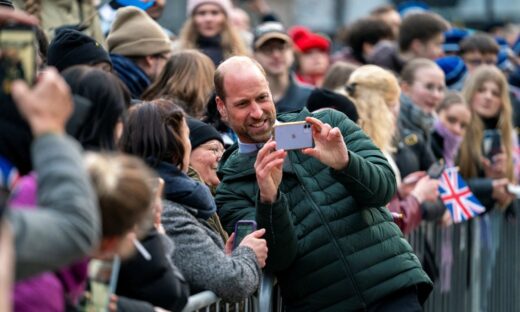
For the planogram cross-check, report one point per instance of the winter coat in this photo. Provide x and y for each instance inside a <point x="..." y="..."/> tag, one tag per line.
<point x="295" y="97"/>
<point x="48" y="291"/>
<point x="63" y="229"/>
<point x="56" y="13"/>
<point x="332" y="243"/>
<point x="414" y="150"/>
<point x="156" y="281"/>
<point x="199" y="254"/>
<point x="180" y="188"/>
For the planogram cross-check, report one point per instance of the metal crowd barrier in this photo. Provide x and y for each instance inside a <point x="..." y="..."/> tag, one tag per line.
<point x="485" y="270"/>
<point x="264" y="300"/>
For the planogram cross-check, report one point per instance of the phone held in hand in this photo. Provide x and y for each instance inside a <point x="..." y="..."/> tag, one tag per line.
<point x="102" y="281"/>
<point x="492" y="143"/>
<point x="293" y="135"/>
<point x="514" y="190"/>
<point x="436" y="169"/>
<point x="242" y="229"/>
<point x="18" y="56"/>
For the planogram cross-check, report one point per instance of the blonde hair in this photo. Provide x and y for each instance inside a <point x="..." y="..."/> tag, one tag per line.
<point x="124" y="188"/>
<point x="231" y="42"/>
<point x="470" y="150"/>
<point x="374" y="91"/>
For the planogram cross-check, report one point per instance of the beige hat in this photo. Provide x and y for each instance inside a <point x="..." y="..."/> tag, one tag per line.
<point x="267" y="31"/>
<point x="134" y="33"/>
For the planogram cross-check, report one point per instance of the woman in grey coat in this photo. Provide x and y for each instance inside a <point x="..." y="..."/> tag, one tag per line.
<point x="158" y="132"/>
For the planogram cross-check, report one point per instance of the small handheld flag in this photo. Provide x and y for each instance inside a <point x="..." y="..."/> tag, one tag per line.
<point x="457" y="196"/>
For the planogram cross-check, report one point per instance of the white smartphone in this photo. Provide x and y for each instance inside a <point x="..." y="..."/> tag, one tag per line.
<point x="293" y="135"/>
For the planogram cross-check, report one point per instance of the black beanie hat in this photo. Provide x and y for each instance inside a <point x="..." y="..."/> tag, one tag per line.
<point x="201" y="133"/>
<point x="71" y="47"/>
<point x="322" y="98"/>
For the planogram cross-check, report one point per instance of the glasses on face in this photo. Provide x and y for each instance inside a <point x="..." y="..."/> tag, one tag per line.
<point x="215" y="148"/>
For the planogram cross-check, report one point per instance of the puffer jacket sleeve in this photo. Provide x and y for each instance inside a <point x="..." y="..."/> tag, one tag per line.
<point x="239" y="200"/>
<point x="67" y="225"/>
<point x="280" y="234"/>
<point x="235" y="201"/>
<point x="203" y="262"/>
<point x="368" y="175"/>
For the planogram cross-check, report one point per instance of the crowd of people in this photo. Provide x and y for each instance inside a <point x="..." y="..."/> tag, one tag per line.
<point x="143" y="149"/>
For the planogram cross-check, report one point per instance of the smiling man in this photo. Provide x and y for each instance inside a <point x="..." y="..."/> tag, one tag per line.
<point x="332" y="244"/>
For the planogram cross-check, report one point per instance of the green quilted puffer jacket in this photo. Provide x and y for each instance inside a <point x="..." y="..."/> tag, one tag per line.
<point x="332" y="243"/>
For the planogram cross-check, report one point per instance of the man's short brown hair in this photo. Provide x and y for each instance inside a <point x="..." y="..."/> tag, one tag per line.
<point x="382" y="9"/>
<point x="423" y="26"/>
<point x="479" y="42"/>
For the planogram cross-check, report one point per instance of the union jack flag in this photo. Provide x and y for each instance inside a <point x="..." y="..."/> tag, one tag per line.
<point x="457" y="196"/>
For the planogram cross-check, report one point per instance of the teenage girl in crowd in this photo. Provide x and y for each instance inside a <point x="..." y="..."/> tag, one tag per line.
<point x="209" y="29"/>
<point x="486" y="91"/>
<point x="423" y="89"/>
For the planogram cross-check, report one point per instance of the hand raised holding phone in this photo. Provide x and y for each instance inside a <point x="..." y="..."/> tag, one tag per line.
<point x="268" y="167"/>
<point x="330" y="147"/>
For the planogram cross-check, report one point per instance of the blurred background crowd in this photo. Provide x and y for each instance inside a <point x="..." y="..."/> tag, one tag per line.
<point x="426" y="81"/>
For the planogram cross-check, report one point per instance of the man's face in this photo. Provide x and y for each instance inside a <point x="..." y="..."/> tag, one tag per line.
<point x="156" y="10"/>
<point x="393" y="19"/>
<point x="474" y="59"/>
<point x="158" y="63"/>
<point x="248" y="107"/>
<point x="275" y="56"/>
<point x="431" y="49"/>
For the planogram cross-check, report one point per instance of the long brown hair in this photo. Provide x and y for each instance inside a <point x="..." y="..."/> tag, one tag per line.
<point x="153" y="132"/>
<point x="470" y="149"/>
<point x="188" y="77"/>
<point x="231" y="42"/>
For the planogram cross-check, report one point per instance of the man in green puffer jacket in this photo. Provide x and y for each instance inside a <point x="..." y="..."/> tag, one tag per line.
<point x="332" y="244"/>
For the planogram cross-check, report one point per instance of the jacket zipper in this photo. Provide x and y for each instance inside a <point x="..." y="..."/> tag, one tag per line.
<point x="323" y="221"/>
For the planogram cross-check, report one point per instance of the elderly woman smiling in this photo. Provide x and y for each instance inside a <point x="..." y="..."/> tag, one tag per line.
<point x="207" y="148"/>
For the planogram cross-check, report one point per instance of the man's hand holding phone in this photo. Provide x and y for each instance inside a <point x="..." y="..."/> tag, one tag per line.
<point x="268" y="168"/>
<point x="330" y="147"/>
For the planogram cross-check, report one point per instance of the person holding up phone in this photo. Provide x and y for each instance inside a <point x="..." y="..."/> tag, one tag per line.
<point x="69" y="226"/>
<point x="332" y="244"/>
<point x="488" y="164"/>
